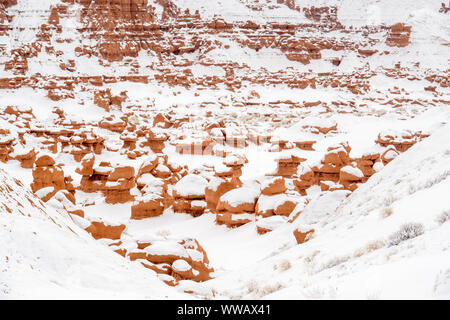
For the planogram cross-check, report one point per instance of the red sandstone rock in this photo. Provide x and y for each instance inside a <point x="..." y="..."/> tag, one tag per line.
<point x="336" y="158"/>
<point x="6" y="146"/>
<point x="86" y="167"/>
<point x="156" y="141"/>
<point x="273" y="186"/>
<point x="399" y="35"/>
<point x="101" y="230"/>
<point x="402" y="141"/>
<point x="26" y="157"/>
<point x="307" y="179"/>
<point x="303" y="234"/>
<point x="114" y="182"/>
<point x="215" y="189"/>
<point x="389" y="155"/>
<point x="164" y="257"/>
<point x="366" y="164"/>
<point x="349" y="176"/>
<point x="189" y="195"/>
<point x="148" y="206"/>
<point x="46" y="174"/>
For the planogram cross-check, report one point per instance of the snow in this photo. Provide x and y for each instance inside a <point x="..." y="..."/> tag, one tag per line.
<point x="348" y="257"/>
<point x="181" y="265"/>
<point x="271" y="223"/>
<point x="164" y="248"/>
<point x="42" y="193"/>
<point x="240" y="196"/>
<point x="353" y="171"/>
<point x="191" y="185"/>
<point x="195" y="255"/>
<point x="198" y="204"/>
<point x="49" y="255"/>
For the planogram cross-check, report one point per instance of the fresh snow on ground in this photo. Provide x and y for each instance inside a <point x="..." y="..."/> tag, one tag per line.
<point x="44" y="255"/>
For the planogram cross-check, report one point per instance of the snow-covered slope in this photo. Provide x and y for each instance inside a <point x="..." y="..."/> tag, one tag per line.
<point x="357" y="251"/>
<point x="44" y="254"/>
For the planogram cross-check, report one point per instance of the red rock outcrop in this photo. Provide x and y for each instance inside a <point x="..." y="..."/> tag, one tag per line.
<point x="104" y="99"/>
<point x="399" y="35"/>
<point x="306" y="179"/>
<point x="402" y="141"/>
<point x="130" y="17"/>
<point x="26" y="157"/>
<point x="165" y="258"/>
<point x="101" y="230"/>
<point x="156" y="141"/>
<point x="389" y="155"/>
<point x="154" y="176"/>
<point x="303" y="234"/>
<point x="6" y="145"/>
<point x="288" y="165"/>
<point x="366" y="164"/>
<point x="148" y="206"/>
<point x="114" y="182"/>
<point x="237" y="207"/>
<point x="331" y="164"/>
<point x="350" y="176"/>
<point x="62" y="199"/>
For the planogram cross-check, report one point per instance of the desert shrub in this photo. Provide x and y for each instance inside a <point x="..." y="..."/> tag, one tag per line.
<point x="266" y="290"/>
<point x="370" y="247"/>
<point x="285" y="265"/>
<point x="254" y="288"/>
<point x="406" y="232"/>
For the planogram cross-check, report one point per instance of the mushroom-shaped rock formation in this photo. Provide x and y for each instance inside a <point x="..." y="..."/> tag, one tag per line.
<point x="303" y="234"/>
<point x="150" y="205"/>
<point x="189" y="195"/>
<point x="47" y="174"/>
<point x="349" y="177"/>
<point x="269" y="224"/>
<point x="216" y="188"/>
<point x="183" y="259"/>
<point x="102" y="229"/>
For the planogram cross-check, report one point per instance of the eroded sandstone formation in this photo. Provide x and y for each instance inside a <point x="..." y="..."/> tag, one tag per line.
<point x="399" y="35"/>
<point x="173" y="260"/>
<point x="114" y="181"/>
